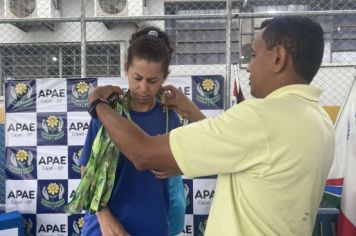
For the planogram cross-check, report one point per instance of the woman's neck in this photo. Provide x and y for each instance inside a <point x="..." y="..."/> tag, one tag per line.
<point x="141" y="107"/>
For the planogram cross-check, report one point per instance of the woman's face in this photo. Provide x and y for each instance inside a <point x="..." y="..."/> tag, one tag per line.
<point x="145" y="79"/>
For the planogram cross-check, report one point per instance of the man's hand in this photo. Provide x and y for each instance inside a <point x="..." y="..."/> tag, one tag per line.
<point x="104" y="92"/>
<point x="109" y="225"/>
<point x="176" y="99"/>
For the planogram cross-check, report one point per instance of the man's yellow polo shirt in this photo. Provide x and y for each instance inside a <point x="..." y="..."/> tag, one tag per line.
<point x="272" y="157"/>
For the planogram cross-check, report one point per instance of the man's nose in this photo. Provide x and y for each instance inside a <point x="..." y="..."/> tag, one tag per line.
<point x="248" y="69"/>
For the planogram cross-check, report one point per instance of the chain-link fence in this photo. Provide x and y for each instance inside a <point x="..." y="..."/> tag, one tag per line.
<point x="89" y="38"/>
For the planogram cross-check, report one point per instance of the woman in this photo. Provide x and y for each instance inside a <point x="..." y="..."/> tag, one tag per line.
<point x="141" y="204"/>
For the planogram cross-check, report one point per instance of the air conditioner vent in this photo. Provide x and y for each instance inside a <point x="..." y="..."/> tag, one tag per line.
<point x="22" y="8"/>
<point x="113" y="7"/>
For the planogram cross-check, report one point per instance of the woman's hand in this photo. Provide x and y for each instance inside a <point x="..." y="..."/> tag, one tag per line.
<point x="109" y="225"/>
<point x="163" y="174"/>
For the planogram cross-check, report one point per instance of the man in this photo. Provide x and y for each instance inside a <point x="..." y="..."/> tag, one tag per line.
<point x="271" y="154"/>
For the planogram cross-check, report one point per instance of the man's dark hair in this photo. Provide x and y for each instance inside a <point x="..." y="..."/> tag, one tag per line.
<point x="301" y="37"/>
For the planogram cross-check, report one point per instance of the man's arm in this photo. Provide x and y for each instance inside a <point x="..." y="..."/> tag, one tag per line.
<point x="144" y="151"/>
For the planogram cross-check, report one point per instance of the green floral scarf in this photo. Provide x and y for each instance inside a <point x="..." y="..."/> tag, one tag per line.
<point x="96" y="185"/>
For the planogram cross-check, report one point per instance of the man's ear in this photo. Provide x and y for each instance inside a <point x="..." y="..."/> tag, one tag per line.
<point x="280" y="58"/>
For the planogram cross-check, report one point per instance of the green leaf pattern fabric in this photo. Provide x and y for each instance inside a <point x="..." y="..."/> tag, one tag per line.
<point x="96" y="185"/>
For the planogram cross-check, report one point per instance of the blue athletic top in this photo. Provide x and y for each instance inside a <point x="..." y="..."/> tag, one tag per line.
<point x="143" y="204"/>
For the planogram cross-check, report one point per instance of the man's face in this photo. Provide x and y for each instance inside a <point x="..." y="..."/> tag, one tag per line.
<point x="260" y="67"/>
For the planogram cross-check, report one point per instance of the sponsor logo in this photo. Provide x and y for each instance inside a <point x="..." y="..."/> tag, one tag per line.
<point x="80" y="93"/>
<point x="20" y="96"/>
<point x="74" y="154"/>
<point x="48" y="162"/>
<point x="18" y="130"/>
<point x="75" y="157"/>
<point x="21" y="196"/>
<point x="28" y="226"/>
<point x="78" y="128"/>
<point x="72" y="194"/>
<point x="188" y="229"/>
<point x="77" y="226"/>
<point x="186" y="192"/>
<point x="22" y="127"/>
<point x="202" y="226"/>
<point x="52" y="128"/>
<point x="51" y="95"/>
<point x="21" y="162"/>
<point x="186" y="90"/>
<point x="204" y="196"/>
<point x="52" y="195"/>
<point x="208" y="92"/>
<point x="52" y="228"/>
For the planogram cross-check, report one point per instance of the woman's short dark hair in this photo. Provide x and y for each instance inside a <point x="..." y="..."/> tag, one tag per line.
<point x="303" y="39"/>
<point x="151" y="44"/>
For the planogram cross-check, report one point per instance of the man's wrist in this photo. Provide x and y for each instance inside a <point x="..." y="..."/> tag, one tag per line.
<point x="94" y="104"/>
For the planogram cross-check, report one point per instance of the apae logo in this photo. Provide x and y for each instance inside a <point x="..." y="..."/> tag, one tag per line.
<point x="28" y="226"/>
<point x="21" y="129"/>
<point x="75" y="158"/>
<point x="78" y="126"/>
<point x="72" y="194"/>
<point x="51" y="95"/>
<point x="208" y="92"/>
<point x="80" y="93"/>
<point x="50" y="162"/>
<point x="53" y="195"/>
<point x="186" y="192"/>
<point x="78" y="129"/>
<point x="52" y="128"/>
<point x="77" y="226"/>
<point x="21" y="162"/>
<point x="204" y="196"/>
<point x="52" y="229"/>
<point x="202" y="227"/>
<point x="21" y="196"/>
<point x="20" y="96"/>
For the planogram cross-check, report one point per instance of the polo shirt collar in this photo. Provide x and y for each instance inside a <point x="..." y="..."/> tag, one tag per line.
<point x="306" y="91"/>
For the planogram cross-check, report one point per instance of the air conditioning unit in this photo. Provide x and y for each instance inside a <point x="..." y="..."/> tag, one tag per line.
<point x="16" y="9"/>
<point x="119" y="7"/>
